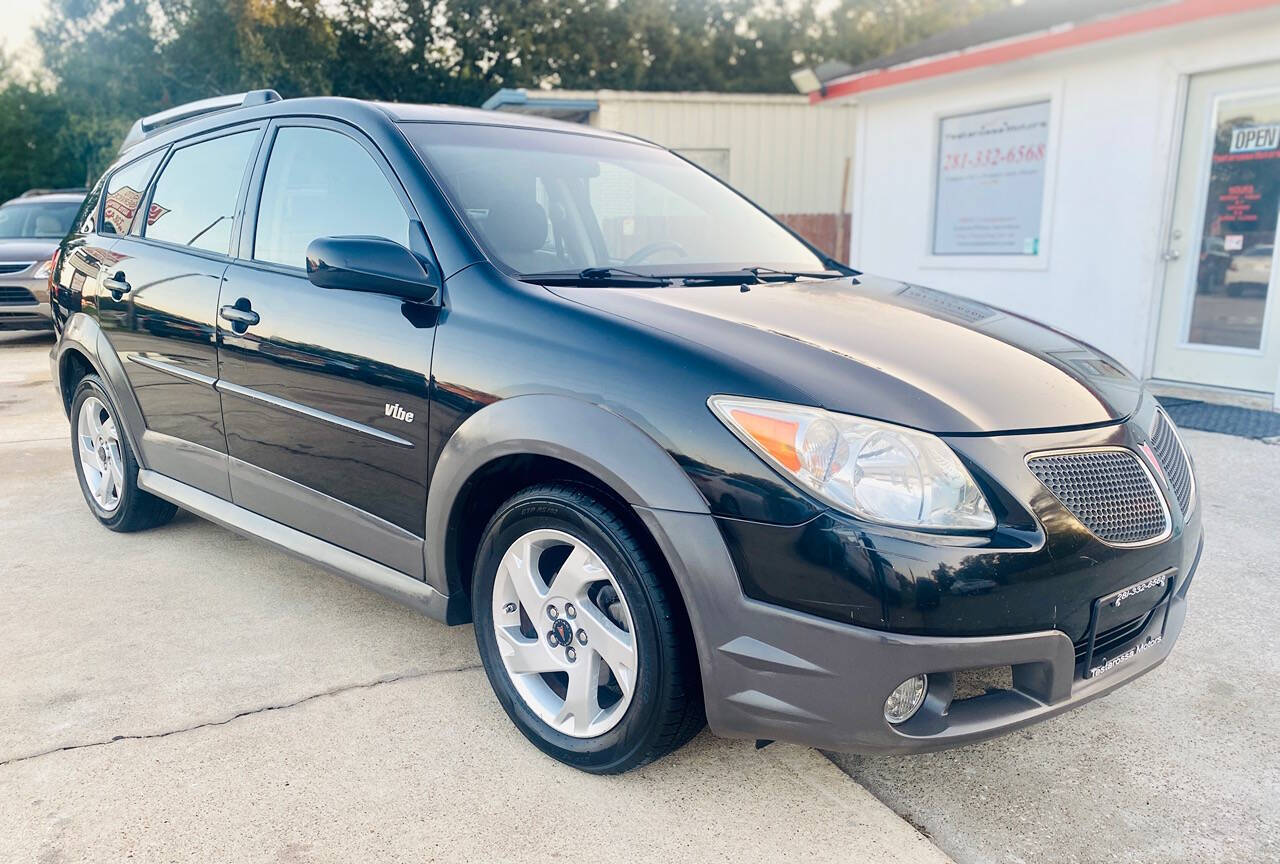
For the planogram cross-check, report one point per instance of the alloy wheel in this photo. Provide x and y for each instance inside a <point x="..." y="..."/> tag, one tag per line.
<point x="564" y="633"/>
<point x="101" y="462"/>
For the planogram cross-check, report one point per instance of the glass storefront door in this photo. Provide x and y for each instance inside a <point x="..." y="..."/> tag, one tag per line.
<point x="1217" y="322"/>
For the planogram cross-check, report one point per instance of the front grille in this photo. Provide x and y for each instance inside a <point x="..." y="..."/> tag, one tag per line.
<point x="1173" y="460"/>
<point x="15" y="266"/>
<point x="1108" y="490"/>
<point x="12" y="295"/>
<point x="1113" y="638"/>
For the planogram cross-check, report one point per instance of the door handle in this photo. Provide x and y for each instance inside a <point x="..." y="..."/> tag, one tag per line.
<point x="241" y="315"/>
<point x="116" y="285"/>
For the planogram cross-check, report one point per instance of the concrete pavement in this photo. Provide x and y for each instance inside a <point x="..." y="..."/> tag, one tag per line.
<point x="186" y="695"/>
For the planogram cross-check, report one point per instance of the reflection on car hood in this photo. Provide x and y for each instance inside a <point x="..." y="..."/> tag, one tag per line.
<point x="26" y="249"/>
<point x="892" y="351"/>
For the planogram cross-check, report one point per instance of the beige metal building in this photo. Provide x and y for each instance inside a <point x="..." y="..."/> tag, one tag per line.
<point x="793" y="159"/>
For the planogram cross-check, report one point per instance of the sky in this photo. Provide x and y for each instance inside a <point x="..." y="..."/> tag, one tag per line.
<point x="20" y="16"/>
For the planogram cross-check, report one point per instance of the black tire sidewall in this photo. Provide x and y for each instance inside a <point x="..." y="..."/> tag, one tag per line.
<point x="90" y="385"/>
<point x="637" y="729"/>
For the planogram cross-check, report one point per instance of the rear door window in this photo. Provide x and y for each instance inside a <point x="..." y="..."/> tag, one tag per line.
<point x="195" y="199"/>
<point x="125" y="190"/>
<point x="321" y="183"/>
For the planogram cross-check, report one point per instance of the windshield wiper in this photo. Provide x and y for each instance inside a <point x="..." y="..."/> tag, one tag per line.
<point x="754" y="276"/>
<point x="614" y="276"/>
<point x="618" y="277"/>
<point x="767" y="274"/>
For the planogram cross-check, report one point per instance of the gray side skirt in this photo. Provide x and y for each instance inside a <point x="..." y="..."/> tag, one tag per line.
<point x="386" y="581"/>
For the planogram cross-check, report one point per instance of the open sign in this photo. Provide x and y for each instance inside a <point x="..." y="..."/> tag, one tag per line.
<point x="1248" y="139"/>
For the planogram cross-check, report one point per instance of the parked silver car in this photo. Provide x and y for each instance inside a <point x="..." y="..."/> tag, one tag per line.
<point x="31" y="226"/>
<point x="1250" y="270"/>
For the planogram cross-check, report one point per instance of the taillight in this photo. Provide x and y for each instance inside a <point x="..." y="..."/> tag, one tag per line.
<point x="53" y="269"/>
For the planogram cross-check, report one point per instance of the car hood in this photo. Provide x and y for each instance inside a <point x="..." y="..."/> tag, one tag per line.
<point x="892" y="351"/>
<point x="26" y="249"/>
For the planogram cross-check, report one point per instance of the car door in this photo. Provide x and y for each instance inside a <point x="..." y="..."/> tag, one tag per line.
<point x="325" y="391"/>
<point x="160" y="294"/>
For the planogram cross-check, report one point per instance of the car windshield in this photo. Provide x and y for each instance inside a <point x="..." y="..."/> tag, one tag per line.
<point x="553" y="202"/>
<point x="37" y="219"/>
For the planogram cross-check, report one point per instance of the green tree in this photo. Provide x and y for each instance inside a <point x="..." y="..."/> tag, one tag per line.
<point x="112" y="61"/>
<point x="225" y="46"/>
<point x="29" y="120"/>
<point x="94" y="50"/>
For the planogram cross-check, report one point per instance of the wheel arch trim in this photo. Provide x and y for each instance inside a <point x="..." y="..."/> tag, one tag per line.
<point x="587" y="435"/>
<point x="83" y="335"/>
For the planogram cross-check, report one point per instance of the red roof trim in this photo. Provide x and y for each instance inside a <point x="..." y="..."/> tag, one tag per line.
<point x="1168" y="15"/>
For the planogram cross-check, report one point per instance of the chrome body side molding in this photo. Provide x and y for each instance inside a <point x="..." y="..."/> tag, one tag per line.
<point x="171" y="369"/>
<point x="308" y="411"/>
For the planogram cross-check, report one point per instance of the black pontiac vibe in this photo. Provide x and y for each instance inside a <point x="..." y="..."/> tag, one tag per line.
<point x="676" y="465"/>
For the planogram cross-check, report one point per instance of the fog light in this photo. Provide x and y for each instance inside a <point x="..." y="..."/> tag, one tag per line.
<point x="906" y="700"/>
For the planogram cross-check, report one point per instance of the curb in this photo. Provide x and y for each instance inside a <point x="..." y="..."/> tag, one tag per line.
<point x="884" y="835"/>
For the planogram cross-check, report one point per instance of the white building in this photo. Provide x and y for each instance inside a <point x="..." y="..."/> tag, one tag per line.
<point x="1111" y="167"/>
<point x="792" y="160"/>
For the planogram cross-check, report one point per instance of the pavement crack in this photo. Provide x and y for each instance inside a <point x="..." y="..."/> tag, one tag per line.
<point x="34" y="440"/>
<point x="282" y="706"/>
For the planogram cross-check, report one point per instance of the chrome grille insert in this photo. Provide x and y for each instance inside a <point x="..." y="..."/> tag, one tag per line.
<point x="1173" y="460"/>
<point x="1109" y="490"/>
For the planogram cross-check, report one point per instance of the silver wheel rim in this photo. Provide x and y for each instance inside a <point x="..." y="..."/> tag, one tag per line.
<point x="101" y="463"/>
<point x="551" y="584"/>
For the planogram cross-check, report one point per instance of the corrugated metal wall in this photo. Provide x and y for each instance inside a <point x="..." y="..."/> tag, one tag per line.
<point x="784" y="153"/>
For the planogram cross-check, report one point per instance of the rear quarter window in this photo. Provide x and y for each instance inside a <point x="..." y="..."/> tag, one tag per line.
<point x="125" y="190"/>
<point x="87" y="218"/>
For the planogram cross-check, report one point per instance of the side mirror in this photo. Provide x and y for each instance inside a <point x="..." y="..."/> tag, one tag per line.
<point x="371" y="264"/>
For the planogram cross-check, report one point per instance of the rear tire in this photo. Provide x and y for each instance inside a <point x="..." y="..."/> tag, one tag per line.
<point x="627" y="637"/>
<point x="105" y="465"/>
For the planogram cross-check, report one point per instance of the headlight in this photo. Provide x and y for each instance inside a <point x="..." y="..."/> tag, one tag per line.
<point x="866" y="468"/>
<point x="42" y="272"/>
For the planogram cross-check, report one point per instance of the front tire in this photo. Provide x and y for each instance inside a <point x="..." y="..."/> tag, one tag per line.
<point x="105" y="465"/>
<point x="579" y="634"/>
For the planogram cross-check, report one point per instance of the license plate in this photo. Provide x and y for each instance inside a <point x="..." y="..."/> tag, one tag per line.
<point x="1115" y="608"/>
<point x="1118" y="599"/>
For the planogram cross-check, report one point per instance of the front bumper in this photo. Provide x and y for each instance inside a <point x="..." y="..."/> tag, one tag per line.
<point x="774" y="673"/>
<point x="31" y="311"/>
<point x="805" y="630"/>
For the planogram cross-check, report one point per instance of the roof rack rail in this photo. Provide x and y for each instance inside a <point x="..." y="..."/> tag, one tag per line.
<point x="72" y="190"/>
<point x="145" y="127"/>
